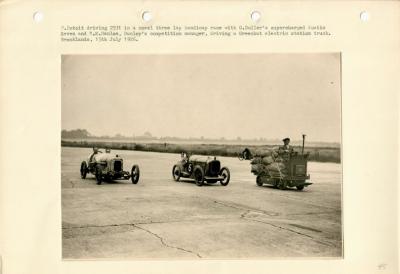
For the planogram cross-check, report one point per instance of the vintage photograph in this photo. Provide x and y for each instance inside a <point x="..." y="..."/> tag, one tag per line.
<point x="201" y="156"/>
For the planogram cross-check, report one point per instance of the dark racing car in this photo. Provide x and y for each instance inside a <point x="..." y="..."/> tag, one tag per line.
<point x="201" y="169"/>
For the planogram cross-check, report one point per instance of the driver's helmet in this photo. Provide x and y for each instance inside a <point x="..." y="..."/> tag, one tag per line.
<point x="185" y="156"/>
<point x="95" y="150"/>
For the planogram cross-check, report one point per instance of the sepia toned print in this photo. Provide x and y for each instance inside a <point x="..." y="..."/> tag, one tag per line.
<point x="203" y="156"/>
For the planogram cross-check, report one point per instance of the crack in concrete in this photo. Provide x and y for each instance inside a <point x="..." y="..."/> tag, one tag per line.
<point x="97" y="226"/>
<point x="165" y="244"/>
<point x="306" y="228"/>
<point x="290" y="230"/>
<point x="141" y="228"/>
<point x="280" y="227"/>
<point x="306" y="201"/>
<point x="313" y="213"/>
<point x="110" y="225"/>
<point x="243" y="215"/>
<point x="142" y="223"/>
<point x="247" y="211"/>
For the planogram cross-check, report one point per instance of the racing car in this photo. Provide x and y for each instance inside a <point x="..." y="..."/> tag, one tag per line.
<point x="202" y="169"/>
<point x="106" y="166"/>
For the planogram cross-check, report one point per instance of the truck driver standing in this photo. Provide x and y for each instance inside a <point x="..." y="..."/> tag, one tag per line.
<point x="286" y="147"/>
<point x="285" y="150"/>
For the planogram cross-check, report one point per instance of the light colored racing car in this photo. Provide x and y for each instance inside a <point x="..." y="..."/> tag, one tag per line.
<point x="106" y="166"/>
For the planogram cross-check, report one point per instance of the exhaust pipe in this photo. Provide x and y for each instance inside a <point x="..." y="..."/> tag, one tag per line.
<point x="302" y="148"/>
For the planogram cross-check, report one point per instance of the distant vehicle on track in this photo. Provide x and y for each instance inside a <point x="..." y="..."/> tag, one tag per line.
<point x="106" y="166"/>
<point x="201" y="169"/>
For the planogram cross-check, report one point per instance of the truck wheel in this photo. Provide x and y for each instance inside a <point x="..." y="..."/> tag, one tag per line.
<point x="198" y="175"/>
<point x="300" y="187"/>
<point x="83" y="170"/>
<point x="98" y="175"/>
<point x="282" y="185"/>
<point x="259" y="181"/>
<point x="135" y="174"/>
<point x="226" y="174"/>
<point x="176" y="173"/>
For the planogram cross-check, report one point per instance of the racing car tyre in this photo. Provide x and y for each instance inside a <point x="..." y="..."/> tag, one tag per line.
<point x="99" y="178"/>
<point x="135" y="174"/>
<point x="259" y="181"/>
<point x="198" y="175"/>
<point x="226" y="174"/>
<point x="300" y="187"/>
<point x="176" y="173"/>
<point x="83" y="170"/>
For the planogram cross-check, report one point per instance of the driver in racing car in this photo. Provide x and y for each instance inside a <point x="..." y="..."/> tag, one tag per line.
<point x="185" y="158"/>
<point x="95" y="151"/>
<point x="187" y="166"/>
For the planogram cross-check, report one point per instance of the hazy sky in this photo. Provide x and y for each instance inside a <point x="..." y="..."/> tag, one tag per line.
<point x="229" y="95"/>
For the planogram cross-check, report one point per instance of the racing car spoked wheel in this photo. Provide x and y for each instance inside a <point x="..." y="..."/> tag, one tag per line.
<point x="226" y="174"/>
<point x="199" y="176"/>
<point x="176" y="173"/>
<point x="98" y="175"/>
<point x="259" y="181"/>
<point x="135" y="174"/>
<point x="83" y="170"/>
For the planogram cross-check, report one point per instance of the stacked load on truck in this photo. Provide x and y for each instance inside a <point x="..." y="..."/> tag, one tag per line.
<point x="269" y="163"/>
<point x="280" y="167"/>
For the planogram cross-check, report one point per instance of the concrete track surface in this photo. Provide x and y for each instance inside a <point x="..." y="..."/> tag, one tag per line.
<point x="162" y="219"/>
